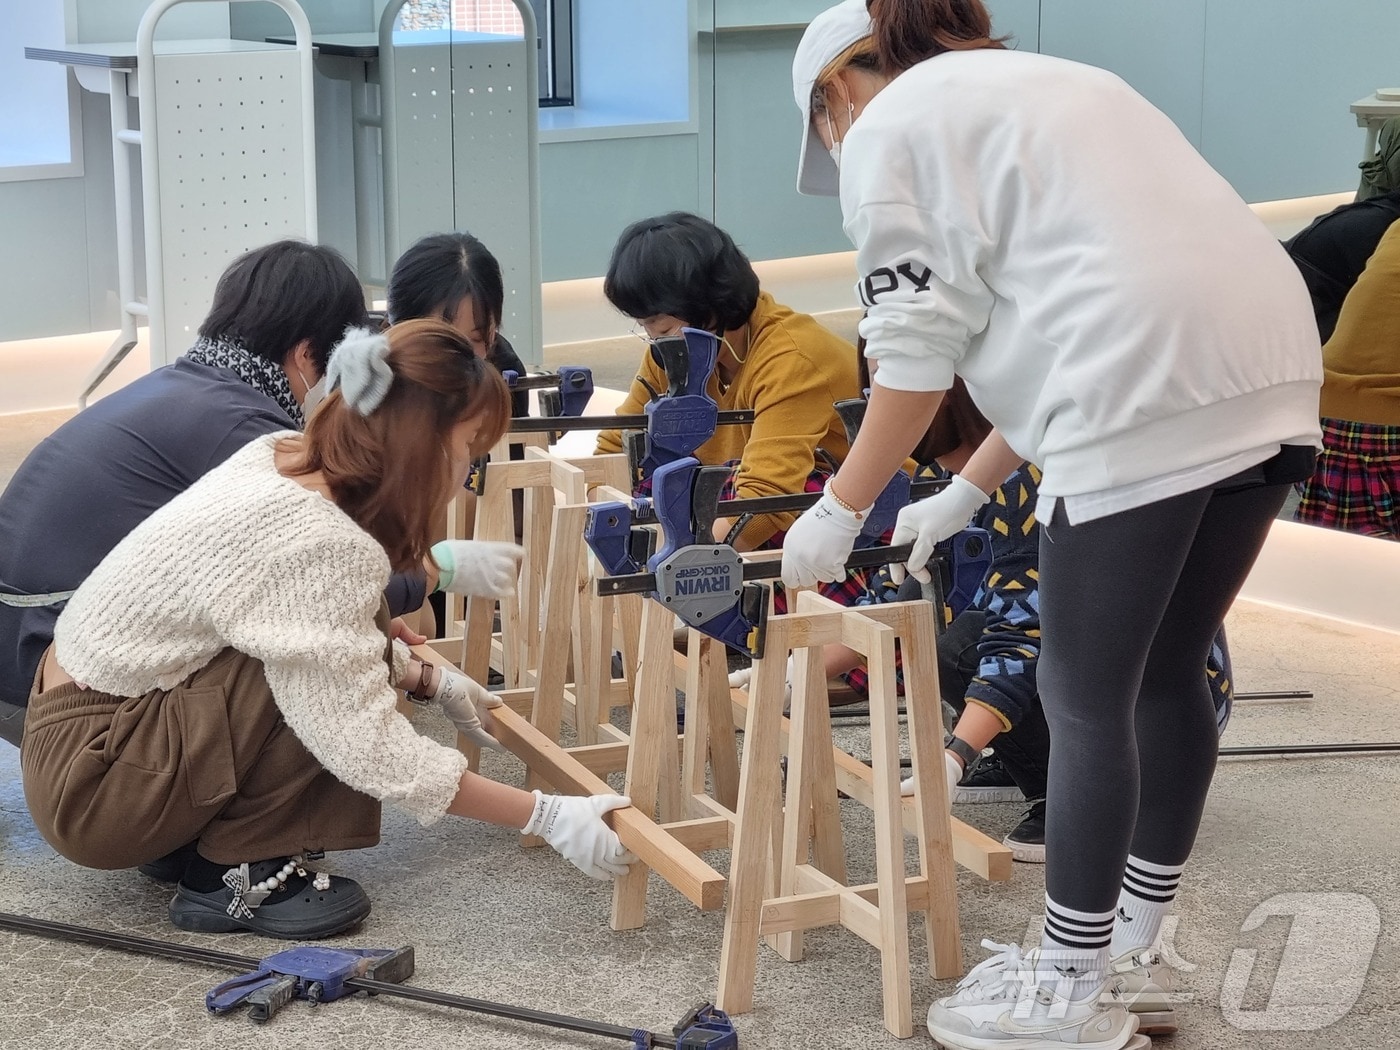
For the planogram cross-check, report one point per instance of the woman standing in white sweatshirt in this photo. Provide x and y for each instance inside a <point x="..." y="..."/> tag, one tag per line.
<point x="1037" y="228"/>
<point x="225" y="678"/>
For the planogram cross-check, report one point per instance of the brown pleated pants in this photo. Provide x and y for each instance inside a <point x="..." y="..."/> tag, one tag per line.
<point x="113" y="782"/>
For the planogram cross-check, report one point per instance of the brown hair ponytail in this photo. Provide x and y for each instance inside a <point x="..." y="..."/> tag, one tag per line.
<point x="909" y="31"/>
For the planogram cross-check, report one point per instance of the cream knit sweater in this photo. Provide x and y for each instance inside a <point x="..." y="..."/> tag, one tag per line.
<point x="248" y="559"/>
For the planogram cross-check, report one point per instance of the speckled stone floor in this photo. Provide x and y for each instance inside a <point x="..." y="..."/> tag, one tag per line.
<point x="1299" y="851"/>
<point x="1311" y="841"/>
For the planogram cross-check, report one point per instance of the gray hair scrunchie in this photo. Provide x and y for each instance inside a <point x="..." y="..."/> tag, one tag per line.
<point x="359" y="366"/>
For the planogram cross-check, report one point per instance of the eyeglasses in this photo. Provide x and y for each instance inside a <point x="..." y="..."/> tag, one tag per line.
<point x="640" y="331"/>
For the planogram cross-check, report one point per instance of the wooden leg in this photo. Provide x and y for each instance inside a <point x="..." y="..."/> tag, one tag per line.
<point x="699" y="669"/>
<point x="760" y="791"/>
<point x="797" y="807"/>
<point x="828" y="845"/>
<point x="594" y="681"/>
<point x="933" y="829"/>
<point x="629" y="618"/>
<point x="653" y="710"/>
<point x="719" y="720"/>
<point x="889" y="828"/>
<point x="477" y="634"/>
<point x="547" y="712"/>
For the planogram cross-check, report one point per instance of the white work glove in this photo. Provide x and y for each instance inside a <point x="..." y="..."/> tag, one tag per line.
<point x="742" y="678"/>
<point x="573" y="825"/>
<point x="815" y="549"/>
<point x="931" y="521"/>
<point x="479" y="568"/>
<point x="952" y="768"/>
<point x="459" y="697"/>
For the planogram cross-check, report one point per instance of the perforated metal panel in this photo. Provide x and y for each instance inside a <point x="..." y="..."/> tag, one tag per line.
<point x="421" y="103"/>
<point x="480" y="173"/>
<point x="230" y="167"/>
<point x="493" y="88"/>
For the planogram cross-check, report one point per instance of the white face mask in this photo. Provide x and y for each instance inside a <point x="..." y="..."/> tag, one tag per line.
<point x="315" y="394"/>
<point x="835" y="148"/>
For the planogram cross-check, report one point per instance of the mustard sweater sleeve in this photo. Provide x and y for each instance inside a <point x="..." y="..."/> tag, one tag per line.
<point x="1362" y="359"/>
<point x="610" y="441"/>
<point x="791" y="395"/>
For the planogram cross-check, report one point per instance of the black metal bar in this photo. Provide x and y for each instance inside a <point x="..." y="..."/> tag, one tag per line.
<point x="127" y="942"/>
<point x="858" y="711"/>
<point x="866" y="558"/>
<point x="1279" y="751"/>
<point x="553" y="424"/>
<point x="515" y="1013"/>
<point x="1285" y="750"/>
<point x="223" y="960"/>
<point x="732" y="508"/>
<point x="545" y="381"/>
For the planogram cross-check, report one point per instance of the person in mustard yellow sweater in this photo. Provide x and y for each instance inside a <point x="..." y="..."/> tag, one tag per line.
<point x="1356" y="486"/>
<point x="678" y="270"/>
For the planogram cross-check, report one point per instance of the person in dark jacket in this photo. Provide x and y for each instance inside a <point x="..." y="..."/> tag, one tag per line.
<point x="1334" y="249"/>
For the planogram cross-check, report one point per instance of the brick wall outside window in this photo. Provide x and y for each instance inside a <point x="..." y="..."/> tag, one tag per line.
<point x="487" y="16"/>
<point x="468" y="16"/>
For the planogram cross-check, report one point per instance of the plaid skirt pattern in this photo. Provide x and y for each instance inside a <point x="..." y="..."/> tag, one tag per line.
<point x="1356" y="487"/>
<point x="846" y="591"/>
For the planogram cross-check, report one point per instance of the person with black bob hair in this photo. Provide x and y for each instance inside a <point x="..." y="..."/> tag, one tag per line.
<point x="276" y="301"/>
<point x="678" y="270"/>
<point x="256" y="368"/>
<point x="453" y="277"/>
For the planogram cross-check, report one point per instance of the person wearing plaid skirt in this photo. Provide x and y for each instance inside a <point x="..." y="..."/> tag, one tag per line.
<point x="1356" y="486"/>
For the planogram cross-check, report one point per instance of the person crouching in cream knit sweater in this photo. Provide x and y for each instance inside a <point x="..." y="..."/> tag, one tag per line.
<point x="224" y="684"/>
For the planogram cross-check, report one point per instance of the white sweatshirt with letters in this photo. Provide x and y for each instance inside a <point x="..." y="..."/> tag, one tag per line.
<point x="1114" y="307"/>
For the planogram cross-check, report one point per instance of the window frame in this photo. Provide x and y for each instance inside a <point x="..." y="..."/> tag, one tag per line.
<point x="554" y="20"/>
<point x="73" y="167"/>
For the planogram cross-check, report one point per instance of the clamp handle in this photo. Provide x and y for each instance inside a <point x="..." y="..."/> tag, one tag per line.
<point x="671" y="488"/>
<point x="608" y="533"/>
<point x="688" y="360"/>
<point x="575" y="389"/>
<point x="686" y="417"/>
<point x="232" y="993"/>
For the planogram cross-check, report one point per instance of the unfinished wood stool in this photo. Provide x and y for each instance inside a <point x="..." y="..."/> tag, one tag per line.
<point x="804" y="886"/>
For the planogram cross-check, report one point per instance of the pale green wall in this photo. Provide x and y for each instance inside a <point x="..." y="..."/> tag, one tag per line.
<point x="1261" y="86"/>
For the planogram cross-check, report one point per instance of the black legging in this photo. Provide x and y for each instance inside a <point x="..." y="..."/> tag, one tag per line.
<point x="1129" y="606"/>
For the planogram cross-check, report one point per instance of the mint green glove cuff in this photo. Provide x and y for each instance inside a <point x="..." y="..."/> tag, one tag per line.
<point x="446" y="563"/>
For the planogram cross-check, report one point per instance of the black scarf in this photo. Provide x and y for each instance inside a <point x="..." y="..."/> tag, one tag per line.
<point x="258" y="372"/>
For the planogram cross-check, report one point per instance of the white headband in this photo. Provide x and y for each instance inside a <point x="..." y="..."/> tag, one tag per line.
<point x="359" y="366"/>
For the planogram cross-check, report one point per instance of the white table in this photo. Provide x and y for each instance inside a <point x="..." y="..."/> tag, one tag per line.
<point x="1371" y="112"/>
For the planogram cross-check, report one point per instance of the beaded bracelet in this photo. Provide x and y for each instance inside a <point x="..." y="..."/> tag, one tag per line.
<point x="859" y="514"/>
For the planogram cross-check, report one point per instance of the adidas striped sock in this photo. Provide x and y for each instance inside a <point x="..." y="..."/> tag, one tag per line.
<point x="1148" y="892"/>
<point x="1076" y="944"/>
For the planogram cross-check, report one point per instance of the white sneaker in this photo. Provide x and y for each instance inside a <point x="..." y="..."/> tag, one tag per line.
<point x="1144" y="984"/>
<point x="1015" y="1002"/>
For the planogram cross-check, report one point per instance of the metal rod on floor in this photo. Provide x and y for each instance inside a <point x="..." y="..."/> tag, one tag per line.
<point x="223" y="960"/>
<point x="1291" y="751"/>
<point x="1316" y="750"/>
<point x="1279" y="696"/>
<point x="857" y="712"/>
